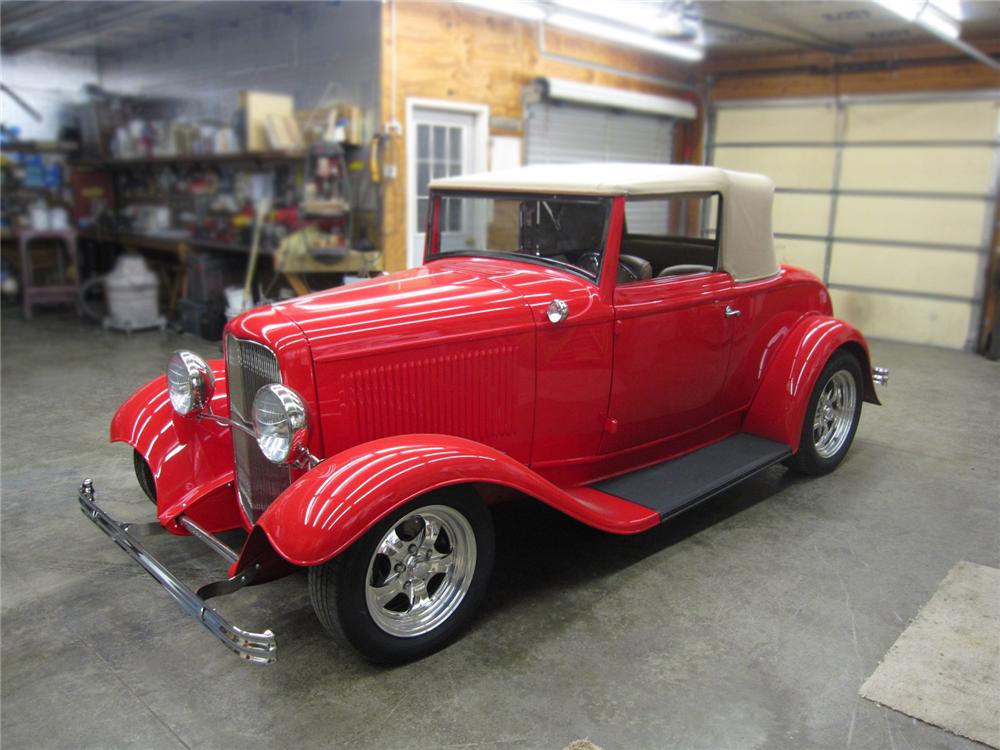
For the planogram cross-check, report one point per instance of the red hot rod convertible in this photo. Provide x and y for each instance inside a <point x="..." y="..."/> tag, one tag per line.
<point x="617" y="341"/>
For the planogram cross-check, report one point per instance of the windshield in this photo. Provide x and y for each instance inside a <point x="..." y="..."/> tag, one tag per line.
<point x="563" y="231"/>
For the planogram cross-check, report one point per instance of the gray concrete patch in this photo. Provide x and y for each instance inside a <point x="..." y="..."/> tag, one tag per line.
<point x="945" y="667"/>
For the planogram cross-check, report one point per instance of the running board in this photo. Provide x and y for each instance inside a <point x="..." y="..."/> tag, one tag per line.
<point x="673" y="486"/>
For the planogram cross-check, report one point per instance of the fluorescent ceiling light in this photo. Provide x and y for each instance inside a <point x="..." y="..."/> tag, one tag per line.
<point x="650" y="17"/>
<point x="940" y="17"/>
<point x="672" y="24"/>
<point x="529" y="11"/>
<point x="624" y="36"/>
<point x="908" y="9"/>
<point x="951" y="8"/>
<point x="938" y="23"/>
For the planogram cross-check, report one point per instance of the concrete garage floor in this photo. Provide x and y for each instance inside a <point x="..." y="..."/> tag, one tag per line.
<point x="749" y="623"/>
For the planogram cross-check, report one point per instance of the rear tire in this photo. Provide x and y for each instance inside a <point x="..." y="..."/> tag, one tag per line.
<point x="144" y="475"/>
<point x="412" y="582"/>
<point x="831" y="418"/>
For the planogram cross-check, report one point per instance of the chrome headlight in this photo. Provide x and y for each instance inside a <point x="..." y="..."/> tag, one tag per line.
<point x="190" y="382"/>
<point x="280" y="421"/>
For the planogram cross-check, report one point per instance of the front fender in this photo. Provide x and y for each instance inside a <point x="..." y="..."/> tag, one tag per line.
<point x="191" y="459"/>
<point x="326" y="510"/>
<point x="780" y="403"/>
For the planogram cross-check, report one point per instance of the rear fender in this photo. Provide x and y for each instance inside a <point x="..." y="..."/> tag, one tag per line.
<point x="326" y="510"/>
<point x="780" y="404"/>
<point x="191" y="459"/>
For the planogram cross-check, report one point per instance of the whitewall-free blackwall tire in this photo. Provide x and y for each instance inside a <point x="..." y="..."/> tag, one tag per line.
<point x="832" y="416"/>
<point x="413" y="582"/>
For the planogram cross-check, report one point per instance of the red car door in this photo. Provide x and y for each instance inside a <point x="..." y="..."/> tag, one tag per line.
<point x="671" y="356"/>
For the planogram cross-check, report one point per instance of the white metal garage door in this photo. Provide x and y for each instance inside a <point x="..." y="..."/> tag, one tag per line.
<point x="890" y="200"/>
<point x="561" y="133"/>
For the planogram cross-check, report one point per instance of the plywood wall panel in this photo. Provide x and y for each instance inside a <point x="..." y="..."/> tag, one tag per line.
<point x="900" y="318"/>
<point x="946" y="272"/>
<point x="803" y="62"/>
<point x="789" y="167"/>
<point x="950" y="222"/>
<point x="936" y="170"/>
<point x="794" y="83"/>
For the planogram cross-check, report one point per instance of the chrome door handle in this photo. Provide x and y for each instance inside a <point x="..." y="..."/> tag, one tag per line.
<point x="732" y="313"/>
<point x="557" y="311"/>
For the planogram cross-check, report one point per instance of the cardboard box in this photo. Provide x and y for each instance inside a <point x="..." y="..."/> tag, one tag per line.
<point x="257" y="107"/>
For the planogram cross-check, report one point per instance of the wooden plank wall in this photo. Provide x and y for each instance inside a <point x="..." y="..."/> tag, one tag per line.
<point x="932" y="67"/>
<point x="445" y="51"/>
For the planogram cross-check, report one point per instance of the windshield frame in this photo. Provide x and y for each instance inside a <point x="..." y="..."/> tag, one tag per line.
<point x="432" y="249"/>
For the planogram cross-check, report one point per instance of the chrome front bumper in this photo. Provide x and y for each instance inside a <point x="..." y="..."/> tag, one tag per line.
<point x="259" y="648"/>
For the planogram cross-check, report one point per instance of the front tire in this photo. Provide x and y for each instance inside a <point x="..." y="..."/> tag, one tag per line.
<point x="412" y="582"/>
<point x="144" y="475"/>
<point x="831" y="418"/>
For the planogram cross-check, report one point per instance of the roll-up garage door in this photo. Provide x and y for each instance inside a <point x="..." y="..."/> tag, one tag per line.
<point x="561" y="133"/>
<point x="889" y="200"/>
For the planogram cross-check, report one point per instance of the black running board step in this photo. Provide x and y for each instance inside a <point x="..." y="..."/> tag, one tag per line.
<point x="681" y="483"/>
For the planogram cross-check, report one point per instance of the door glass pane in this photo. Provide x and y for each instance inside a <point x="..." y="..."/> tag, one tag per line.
<point x="565" y="232"/>
<point x="423" y="141"/>
<point x="648" y="217"/>
<point x="439" y="171"/>
<point x="675" y="235"/>
<point x="455" y="150"/>
<point x="455" y="169"/>
<point x="423" y="177"/>
<point x="439" y="142"/>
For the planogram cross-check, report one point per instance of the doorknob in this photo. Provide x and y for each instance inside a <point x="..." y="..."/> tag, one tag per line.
<point x="732" y="312"/>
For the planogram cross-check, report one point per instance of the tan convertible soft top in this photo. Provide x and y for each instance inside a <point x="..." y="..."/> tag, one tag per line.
<point x="747" y="244"/>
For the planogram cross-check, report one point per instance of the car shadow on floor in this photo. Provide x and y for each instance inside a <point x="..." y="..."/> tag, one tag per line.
<point x="540" y="552"/>
<point x="540" y="549"/>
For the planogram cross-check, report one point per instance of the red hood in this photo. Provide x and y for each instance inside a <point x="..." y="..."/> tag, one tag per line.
<point x="446" y="300"/>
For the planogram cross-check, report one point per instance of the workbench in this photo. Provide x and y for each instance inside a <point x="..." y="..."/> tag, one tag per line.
<point x="180" y="247"/>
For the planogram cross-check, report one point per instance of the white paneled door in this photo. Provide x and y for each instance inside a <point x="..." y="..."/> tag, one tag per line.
<point x="443" y="141"/>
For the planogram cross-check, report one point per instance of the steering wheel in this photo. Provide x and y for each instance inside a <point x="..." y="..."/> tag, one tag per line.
<point x="590" y="262"/>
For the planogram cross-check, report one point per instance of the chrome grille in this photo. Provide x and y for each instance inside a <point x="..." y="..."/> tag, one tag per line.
<point x="249" y="366"/>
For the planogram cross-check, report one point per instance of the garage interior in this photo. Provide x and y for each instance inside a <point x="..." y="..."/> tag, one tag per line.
<point x="168" y="165"/>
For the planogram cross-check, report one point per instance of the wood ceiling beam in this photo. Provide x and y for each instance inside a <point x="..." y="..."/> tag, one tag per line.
<point x="799" y="60"/>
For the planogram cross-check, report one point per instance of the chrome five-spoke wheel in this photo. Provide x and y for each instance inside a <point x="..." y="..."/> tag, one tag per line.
<point x="420" y="572"/>
<point x="410" y="584"/>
